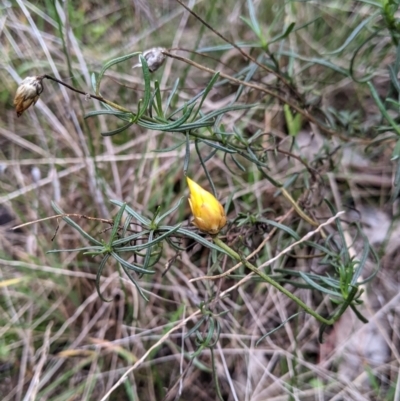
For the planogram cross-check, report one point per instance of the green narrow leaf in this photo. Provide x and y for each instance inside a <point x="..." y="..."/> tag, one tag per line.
<point x="174" y="245"/>
<point x="396" y="184"/>
<point x="171" y="95"/>
<point x="191" y="126"/>
<point x="396" y="151"/>
<point x="240" y="167"/>
<point x="93" y="248"/>
<point x="277" y="328"/>
<point x="358" y="314"/>
<point x="117" y="222"/>
<point x="321" y="331"/>
<point x="110" y="112"/>
<point x="382" y="108"/>
<point x="343" y="245"/>
<point x="284" y="34"/>
<point x="252" y="70"/>
<point x="117" y="131"/>
<point x="280" y="226"/>
<point x="210" y="155"/>
<point x="110" y="64"/>
<point x="354" y="33"/>
<point x="320" y="247"/>
<point x="187" y="154"/>
<point x="200" y="240"/>
<point x="149" y="244"/>
<point x="394" y="80"/>
<point x="178" y="122"/>
<point x="133" y="281"/>
<point x="217" y="146"/>
<point x="363" y="259"/>
<point x="75" y="226"/>
<point x="354" y="57"/>
<point x="98" y="276"/>
<point x="147" y="87"/>
<point x="130" y="266"/>
<point x="195" y="327"/>
<point x="318" y="287"/>
<point x="167" y="213"/>
<point x="93" y="80"/>
<point x="226" y="109"/>
<point x="253" y="18"/>
<point x="126" y="225"/>
<point x="315" y="60"/>
<point x="133" y="237"/>
<point x="170" y="148"/>
<point x="160" y="112"/>
<point x="148" y="252"/>
<point x="130" y="211"/>
<point x="210" y="332"/>
<point x="206" y="92"/>
<point x="330" y="282"/>
<point x="227" y="165"/>
<point x="196" y="144"/>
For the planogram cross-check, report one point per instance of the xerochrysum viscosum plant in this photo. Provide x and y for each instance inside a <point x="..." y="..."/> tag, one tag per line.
<point x="136" y="242"/>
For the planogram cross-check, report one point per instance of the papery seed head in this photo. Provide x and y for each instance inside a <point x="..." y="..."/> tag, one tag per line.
<point x="154" y="57"/>
<point x="28" y="93"/>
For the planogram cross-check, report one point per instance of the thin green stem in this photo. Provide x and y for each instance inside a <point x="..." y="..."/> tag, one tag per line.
<point x="298" y="208"/>
<point x="215" y="376"/>
<point x="275" y="284"/>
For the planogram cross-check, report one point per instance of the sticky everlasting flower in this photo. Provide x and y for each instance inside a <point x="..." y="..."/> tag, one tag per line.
<point x="209" y="215"/>
<point x="28" y="93"/>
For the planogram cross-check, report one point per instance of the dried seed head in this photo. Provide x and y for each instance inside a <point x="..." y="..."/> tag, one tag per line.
<point x="154" y="57"/>
<point x="28" y="93"/>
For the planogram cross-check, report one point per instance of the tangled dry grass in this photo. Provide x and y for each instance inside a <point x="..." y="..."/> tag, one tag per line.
<point x="60" y="341"/>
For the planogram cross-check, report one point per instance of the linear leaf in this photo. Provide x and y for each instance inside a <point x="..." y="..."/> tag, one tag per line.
<point x="117" y="131"/>
<point x="355" y="32"/>
<point x="75" y="225"/>
<point x="382" y="108"/>
<point x="164" y="215"/>
<point x="130" y="211"/>
<point x="110" y="64"/>
<point x="318" y="287"/>
<point x="200" y="240"/>
<point x="133" y="281"/>
<point x="98" y="276"/>
<point x="150" y="243"/>
<point x="130" y="266"/>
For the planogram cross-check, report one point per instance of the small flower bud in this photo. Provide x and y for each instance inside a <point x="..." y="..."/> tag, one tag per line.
<point x="209" y="215"/>
<point x="28" y="93"/>
<point x="154" y="57"/>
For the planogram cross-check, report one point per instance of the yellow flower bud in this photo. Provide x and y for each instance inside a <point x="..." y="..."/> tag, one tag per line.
<point x="209" y="215"/>
<point x="28" y="93"/>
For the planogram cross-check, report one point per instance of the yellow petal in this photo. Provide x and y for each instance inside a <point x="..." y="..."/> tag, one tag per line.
<point x="209" y="215"/>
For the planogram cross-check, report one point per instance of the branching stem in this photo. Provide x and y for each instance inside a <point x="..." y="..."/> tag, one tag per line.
<point x="282" y="289"/>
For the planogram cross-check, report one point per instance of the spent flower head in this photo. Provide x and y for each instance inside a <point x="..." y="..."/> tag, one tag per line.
<point x="154" y="57"/>
<point x="28" y="93"/>
<point x="209" y="215"/>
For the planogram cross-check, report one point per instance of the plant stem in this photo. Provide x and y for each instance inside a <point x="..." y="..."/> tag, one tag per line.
<point x="298" y="208"/>
<point x="215" y="375"/>
<point x="99" y="98"/>
<point x="275" y="284"/>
